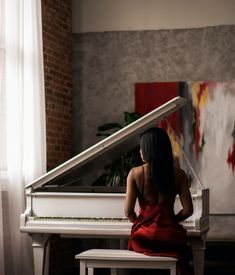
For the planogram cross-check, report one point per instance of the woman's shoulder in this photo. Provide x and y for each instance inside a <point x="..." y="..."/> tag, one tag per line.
<point x="180" y="177"/>
<point x="137" y="169"/>
<point x="179" y="172"/>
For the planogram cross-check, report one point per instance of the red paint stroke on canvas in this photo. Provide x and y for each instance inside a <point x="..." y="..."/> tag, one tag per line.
<point x="151" y="95"/>
<point x="231" y="158"/>
<point x="202" y="88"/>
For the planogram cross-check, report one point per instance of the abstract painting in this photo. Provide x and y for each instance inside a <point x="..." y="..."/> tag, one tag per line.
<point x="205" y="129"/>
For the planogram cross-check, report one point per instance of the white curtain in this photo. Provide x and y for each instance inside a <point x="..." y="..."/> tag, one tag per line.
<point x="22" y="125"/>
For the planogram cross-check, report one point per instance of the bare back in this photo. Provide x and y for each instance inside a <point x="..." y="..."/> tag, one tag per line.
<point x="139" y="186"/>
<point x="146" y="188"/>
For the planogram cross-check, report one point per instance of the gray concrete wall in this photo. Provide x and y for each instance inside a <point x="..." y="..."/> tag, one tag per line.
<point x="107" y="64"/>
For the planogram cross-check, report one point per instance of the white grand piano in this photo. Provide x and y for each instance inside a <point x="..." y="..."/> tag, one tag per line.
<point x="90" y="214"/>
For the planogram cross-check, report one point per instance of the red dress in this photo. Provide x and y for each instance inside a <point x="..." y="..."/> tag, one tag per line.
<point x="156" y="232"/>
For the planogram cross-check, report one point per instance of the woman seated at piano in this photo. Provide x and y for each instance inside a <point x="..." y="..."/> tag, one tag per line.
<point x="156" y="229"/>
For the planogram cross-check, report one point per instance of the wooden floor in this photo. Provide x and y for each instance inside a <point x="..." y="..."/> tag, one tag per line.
<point x="220" y="258"/>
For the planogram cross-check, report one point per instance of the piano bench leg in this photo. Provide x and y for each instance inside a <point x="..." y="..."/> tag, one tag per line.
<point x="82" y="267"/>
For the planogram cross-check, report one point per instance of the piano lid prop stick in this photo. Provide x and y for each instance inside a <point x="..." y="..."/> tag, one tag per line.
<point x="185" y="155"/>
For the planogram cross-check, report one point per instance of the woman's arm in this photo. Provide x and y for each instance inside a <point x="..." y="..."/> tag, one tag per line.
<point x="185" y="196"/>
<point x="131" y="195"/>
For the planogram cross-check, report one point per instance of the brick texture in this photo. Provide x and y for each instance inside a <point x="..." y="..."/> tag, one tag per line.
<point x="57" y="49"/>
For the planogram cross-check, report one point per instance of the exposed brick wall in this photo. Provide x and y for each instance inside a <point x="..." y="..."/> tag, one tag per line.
<point x="57" y="48"/>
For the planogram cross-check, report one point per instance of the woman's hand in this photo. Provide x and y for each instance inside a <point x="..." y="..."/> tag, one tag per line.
<point x="184" y="195"/>
<point x="131" y="195"/>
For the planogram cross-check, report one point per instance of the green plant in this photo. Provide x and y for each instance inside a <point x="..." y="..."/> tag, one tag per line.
<point x="115" y="173"/>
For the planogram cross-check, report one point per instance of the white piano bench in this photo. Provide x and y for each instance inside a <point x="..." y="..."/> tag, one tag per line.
<point x="116" y="259"/>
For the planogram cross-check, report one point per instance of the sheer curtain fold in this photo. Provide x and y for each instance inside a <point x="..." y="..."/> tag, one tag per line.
<point x="23" y="122"/>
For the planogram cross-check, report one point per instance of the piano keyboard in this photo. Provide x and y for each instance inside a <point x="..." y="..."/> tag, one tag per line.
<point x="87" y="222"/>
<point x="80" y="219"/>
<point x="80" y="222"/>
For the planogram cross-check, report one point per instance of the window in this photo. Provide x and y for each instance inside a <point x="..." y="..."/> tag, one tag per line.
<point x="3" y="128"/>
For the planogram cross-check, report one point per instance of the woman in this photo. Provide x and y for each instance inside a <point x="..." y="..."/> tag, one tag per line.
<point x="156" y="229"/>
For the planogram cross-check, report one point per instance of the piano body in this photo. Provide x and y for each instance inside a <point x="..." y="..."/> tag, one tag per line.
<point x="51" y="210"/>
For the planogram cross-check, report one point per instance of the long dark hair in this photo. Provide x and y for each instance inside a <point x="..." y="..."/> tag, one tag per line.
<point x="157" y="152"/>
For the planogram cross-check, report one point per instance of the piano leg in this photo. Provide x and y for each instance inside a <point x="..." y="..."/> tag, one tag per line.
<point x="39" y="252"/>
<point x="198" y="249"/>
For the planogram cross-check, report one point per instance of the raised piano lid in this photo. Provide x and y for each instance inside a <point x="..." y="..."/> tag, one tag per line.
<point x="110" y="148"/>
